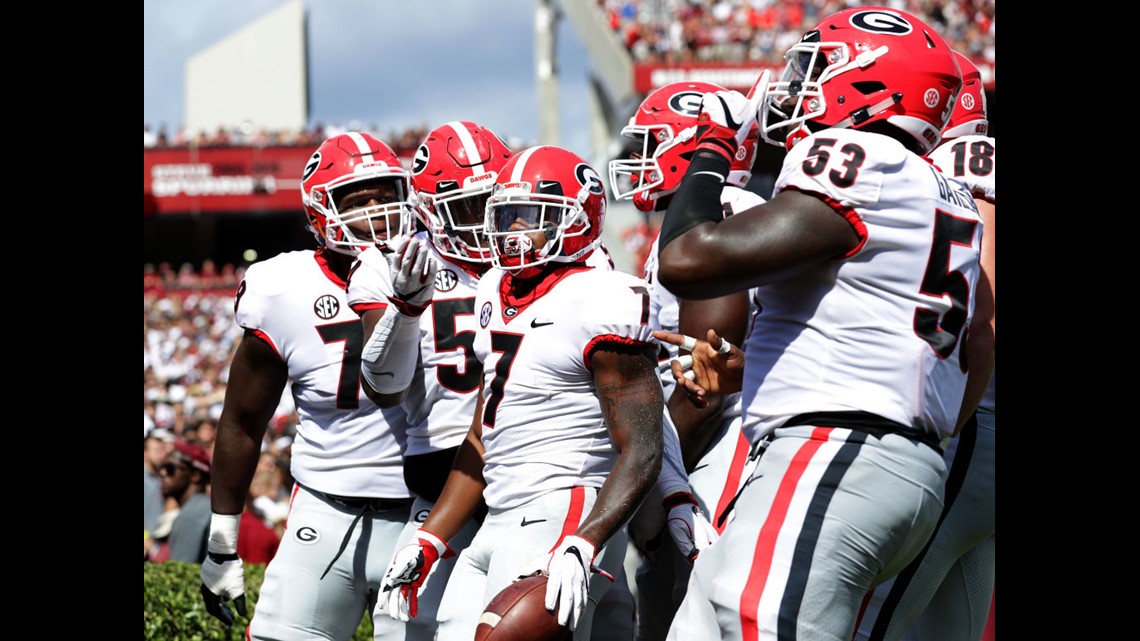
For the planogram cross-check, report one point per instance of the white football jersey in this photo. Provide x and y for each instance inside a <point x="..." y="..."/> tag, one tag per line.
<point x="878" y="330"/>
<point x="440" y="401"/>
<point x="972" y="161"/>
<point x="345" y="444"/>
<point x="543" y="427"/>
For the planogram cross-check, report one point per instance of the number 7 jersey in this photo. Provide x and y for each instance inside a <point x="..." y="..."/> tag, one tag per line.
<point x="543" y="427"/>
<point x="345" y="444"/>
<point x="881" y="329"/>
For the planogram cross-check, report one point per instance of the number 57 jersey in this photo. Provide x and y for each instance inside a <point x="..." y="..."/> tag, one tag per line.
<point x="543" y="427"/>
<point x="880" y="329"/>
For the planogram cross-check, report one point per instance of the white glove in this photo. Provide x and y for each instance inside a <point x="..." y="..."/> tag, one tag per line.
<point x="223" y="577"/>
<point x="413" y="270"/>
<point x="728" y="118"/>
<point x="690" y="528"/>
<point x="407" y="573"/>
<point x="569" y="585"/>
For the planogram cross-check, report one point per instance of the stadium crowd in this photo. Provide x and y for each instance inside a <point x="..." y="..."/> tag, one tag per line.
<point x="247" y="135"/>
<point x="188" y="341"/>
<point x="736" y="31"/>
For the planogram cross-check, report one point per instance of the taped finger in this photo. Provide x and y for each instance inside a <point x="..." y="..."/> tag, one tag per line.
<point x="725" y="347"/>
<point x="685" y="361"/>
<point x="688" y="343"/>
<point x="690" y="374"/>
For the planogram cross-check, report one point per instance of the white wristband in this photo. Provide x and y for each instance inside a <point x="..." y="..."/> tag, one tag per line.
<point x="223" y="533"/>
<point x="388" y="360"/>
<point x="439" y="544"/>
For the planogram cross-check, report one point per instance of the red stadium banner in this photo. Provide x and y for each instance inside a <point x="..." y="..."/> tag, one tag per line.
<point x="647" y="77"/>
<point x="192" y="180"/>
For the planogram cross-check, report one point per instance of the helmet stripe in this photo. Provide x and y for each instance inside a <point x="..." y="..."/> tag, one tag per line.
<point x="467" y="141"/>
<point x="361" y="145"/>
<point x="520" y="164"/>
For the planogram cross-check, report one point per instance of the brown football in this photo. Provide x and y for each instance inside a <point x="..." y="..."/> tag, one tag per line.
<point x="518" y="613"/>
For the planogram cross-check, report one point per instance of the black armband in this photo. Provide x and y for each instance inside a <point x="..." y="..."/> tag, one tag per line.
<point x="697" y="199"/>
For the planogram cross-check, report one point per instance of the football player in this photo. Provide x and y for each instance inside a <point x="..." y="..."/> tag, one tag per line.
<point x="453" y="172"/>
<point x="866" y="259"/>
<point x="350" y="501"/>
<point x="567" y="440"/>
<point x="715" y="452"/>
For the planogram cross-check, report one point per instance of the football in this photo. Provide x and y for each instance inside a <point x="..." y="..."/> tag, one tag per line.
<point x="519" y="613"/>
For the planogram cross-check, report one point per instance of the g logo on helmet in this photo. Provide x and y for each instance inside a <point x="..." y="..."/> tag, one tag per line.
<point x="890" y="24"/>
<point x="311" y="166"/>
<point x="686" y="103"/>
<point x="588" y="177"/>
<point x="420" y="161"/>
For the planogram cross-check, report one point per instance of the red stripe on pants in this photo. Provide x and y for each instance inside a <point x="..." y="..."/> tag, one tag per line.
<point x="769" y="532"/>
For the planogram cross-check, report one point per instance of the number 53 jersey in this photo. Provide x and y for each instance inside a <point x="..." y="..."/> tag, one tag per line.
<point x="880" y="329"/>
<point x="543" y="427"/>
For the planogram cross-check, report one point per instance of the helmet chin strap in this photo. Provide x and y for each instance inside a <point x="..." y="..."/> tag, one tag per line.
<point x="859" y="116"/>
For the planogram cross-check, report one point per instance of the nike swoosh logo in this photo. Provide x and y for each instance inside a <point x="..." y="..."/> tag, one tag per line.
<point x="535" y="324"/>
<point x="703" y="465"/>
<point x="526" y="522"/>
<point x="728" y="115"/>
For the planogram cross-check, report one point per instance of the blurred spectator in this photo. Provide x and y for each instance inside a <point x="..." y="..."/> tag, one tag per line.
<point x="157" y="444"/>
<point x="258" y="536"/>
<point x="203" y="432"/>
<point x="186" y="477"/>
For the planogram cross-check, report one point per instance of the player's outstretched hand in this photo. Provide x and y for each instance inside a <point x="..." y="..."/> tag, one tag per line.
<point x="407" y="573"/>
<point x="705" y="369"/>
<point x="728" y="118"/>
<point x="223" y="579"/>
<point x="413" y="270"/>
<point x="688" y="525"/>
<point x="569" y="585"/>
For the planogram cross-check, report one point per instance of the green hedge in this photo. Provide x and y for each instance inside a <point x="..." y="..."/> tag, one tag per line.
<point x="173" y="608"/>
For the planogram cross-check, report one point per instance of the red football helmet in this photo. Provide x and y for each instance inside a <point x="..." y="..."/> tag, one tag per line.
<point x="969" y="115"/>
<point x="341" y="165"/>
<point x="665" y="125"/>
<point x="453" y="172"/>
<point x="547" y="189"/>
<point x="861" y="66"/>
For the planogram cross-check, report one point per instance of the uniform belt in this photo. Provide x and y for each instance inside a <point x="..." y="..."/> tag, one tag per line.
<point x="356" y="503"/>
<point x="866" y="422"/>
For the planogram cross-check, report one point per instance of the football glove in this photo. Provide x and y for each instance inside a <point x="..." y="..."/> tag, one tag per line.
<point x="413" y="270"/>
<point x="407" y="573"/>
<point x="728" y="118"/>
<point x="691" y="530"/>
<point x="223" y="577"/>
<point x="567" y="589"/>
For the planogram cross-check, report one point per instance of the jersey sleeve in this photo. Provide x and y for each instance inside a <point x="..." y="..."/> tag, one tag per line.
<point x="255" y="295"/>
<point x="618" y="312"/>
<point x="841" y="165"/>
<point x="845" y="169"/>
<point x="972" y="161"/>
<point x="369" y="282"/>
